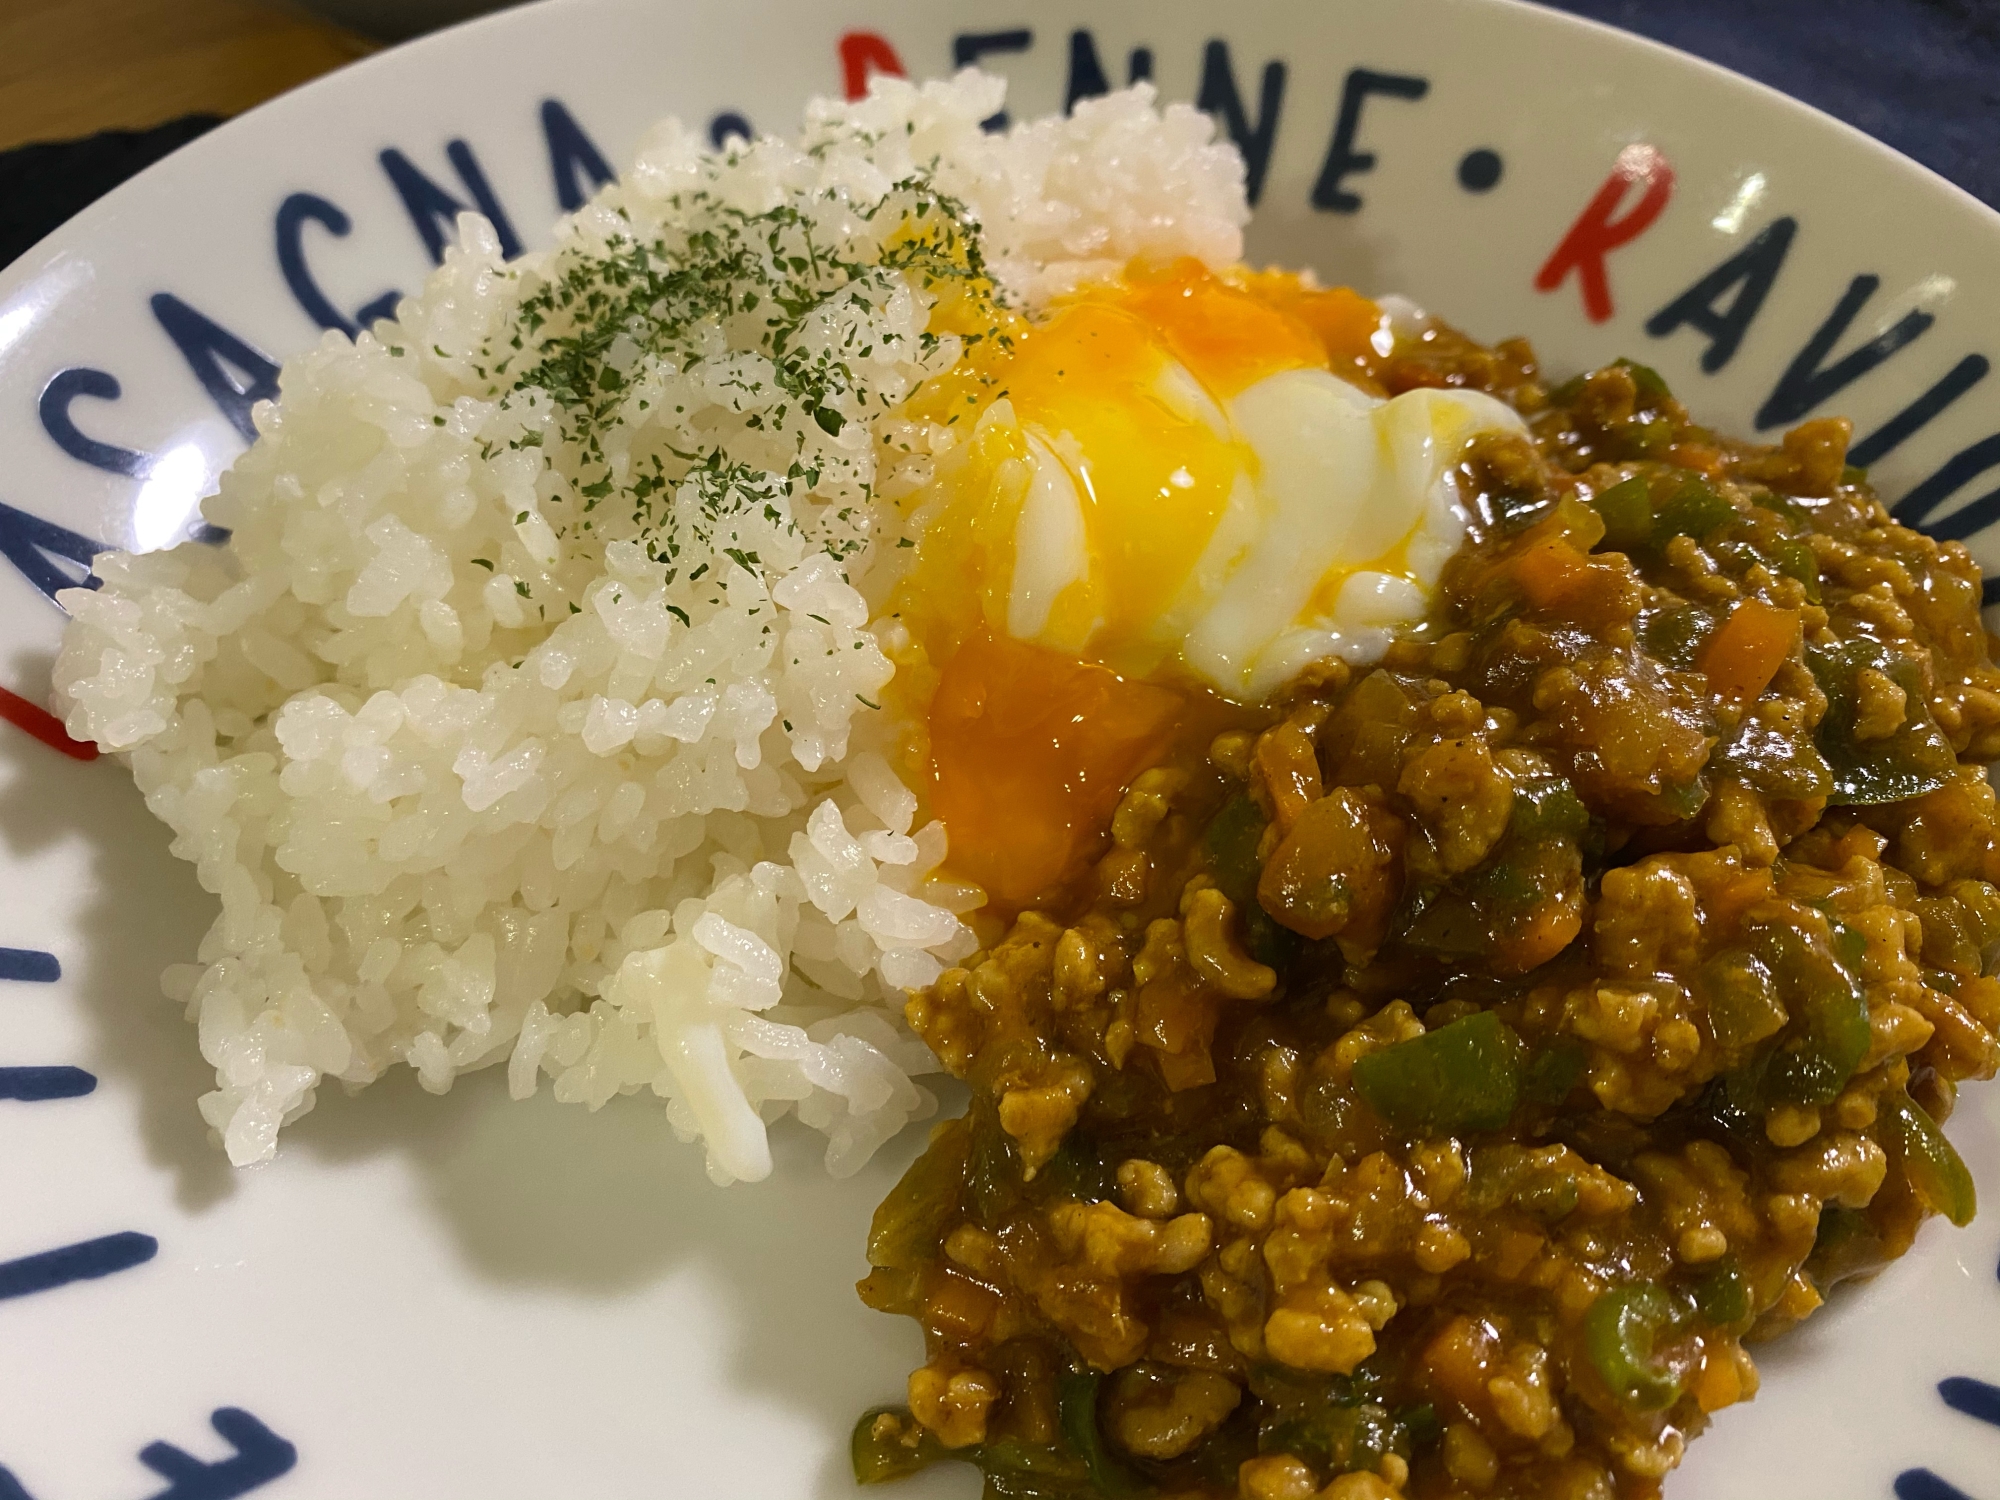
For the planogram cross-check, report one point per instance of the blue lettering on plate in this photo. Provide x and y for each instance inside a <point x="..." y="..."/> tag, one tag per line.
<point x="1959" y="379"/>
<point x="1976" y="1399"/>
<point x="435" y="211"/>
<point x="1087" y="78"/>
<point x="53" y="409"/>
<point x="235" y="375"/>
<point x="1922" y="1484"/>
<point x="29" y="965"/>
<point x="1973" y="1397"/>
<point x="1479" y="170"/>
<point x="729" y="126"/>
<point x="1723" y="303"/>
<point x="260" y="1456"/>
<point x="1805" y="385"/>
<point x="34" y="546"/>
<point x="39" y="1085"/>
<point x="968" y="47"/>
<point x="1917" y="507"/>
<point x="1749" y="274"/>
<point x="572" y="152"/>
<point x="1342" y="160"/>
<point x="84" y="1261"/>
<point x="297" y="211"/>
<point x="1218" y="95"/>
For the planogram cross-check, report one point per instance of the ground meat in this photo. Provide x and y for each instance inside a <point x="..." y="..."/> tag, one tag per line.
<point x="1446" y="1070"/>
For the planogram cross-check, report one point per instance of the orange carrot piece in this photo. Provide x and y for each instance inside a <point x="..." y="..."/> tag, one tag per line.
<point x="1549" y="572"/>
<point x="1549" y="928"/>
<point x="1745" y="654"/>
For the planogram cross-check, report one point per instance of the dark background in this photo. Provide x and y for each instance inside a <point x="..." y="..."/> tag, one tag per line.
<point x="1920" y="75"/>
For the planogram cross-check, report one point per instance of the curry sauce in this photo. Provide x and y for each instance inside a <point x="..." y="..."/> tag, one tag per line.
<point x="1431" y="1088"/>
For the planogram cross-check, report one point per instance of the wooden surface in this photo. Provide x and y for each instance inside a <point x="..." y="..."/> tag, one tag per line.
<point x="71" y="68"/>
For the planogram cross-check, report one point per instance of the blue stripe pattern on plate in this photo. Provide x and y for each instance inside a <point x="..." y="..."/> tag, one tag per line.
<point x="82" y="1261"/>
<point x="1922" y="1484"/>
<point x="260" y="1456"/>
<point x="1973" y="1397"/>
<point x="33" y="1085"/>
<point x="29" y="966"/>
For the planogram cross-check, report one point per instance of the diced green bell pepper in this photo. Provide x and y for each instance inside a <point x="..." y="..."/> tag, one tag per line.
<point x="1692" y="509"/>
<point x="1914" y="759"/>
<point x="1676" y="636"/>
<point x="1546" y="807"/>
<point x="1335" y="1439"/>
<point x="1627" y="509"/>
<point x="992" y="1167"/>
<point x="1076" y="1408"/>
<point x="909" y="1224"/>
<point x="1463" y="1076"/>
<point x="1767" y="759"/>
<point x="1622" y="1331"/>
<point x="1742" y="998"/>
<point x="1016" y="1470"/>
<point x="1722" y="1293"/>
<point x="1813" y="1066"/>
<point x="1794" y="559"/>
<point x="897" y="1450"/>
<point x="1652" y="385"/>
<point x="1931" y="1163"/>
<point x="1555" y="1071"/>
<point x="1229" y="848"/>
<point x="1846" y="1244"/>
<point x="1509" y="511"/>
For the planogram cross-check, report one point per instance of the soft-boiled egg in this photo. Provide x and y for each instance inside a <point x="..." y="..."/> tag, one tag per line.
<point x="1175" y="481"/>
<point x="1188" y="473"/>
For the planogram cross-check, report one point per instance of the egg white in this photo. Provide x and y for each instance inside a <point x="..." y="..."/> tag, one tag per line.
<point x="1337" y="489"/>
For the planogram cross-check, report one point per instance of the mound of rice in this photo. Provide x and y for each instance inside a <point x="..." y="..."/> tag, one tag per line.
<point x="531" y="713"/>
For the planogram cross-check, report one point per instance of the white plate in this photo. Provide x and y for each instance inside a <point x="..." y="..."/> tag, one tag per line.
<point x="462" y="1297"/>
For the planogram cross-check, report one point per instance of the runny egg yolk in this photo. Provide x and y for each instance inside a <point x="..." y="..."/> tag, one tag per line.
<point x="1113" y="415"/>
<point x="1180" y="477"/>
<point x="1030" y="752"/>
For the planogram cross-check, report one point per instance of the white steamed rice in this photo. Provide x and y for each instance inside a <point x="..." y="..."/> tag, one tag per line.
<point x="477" y="782"/>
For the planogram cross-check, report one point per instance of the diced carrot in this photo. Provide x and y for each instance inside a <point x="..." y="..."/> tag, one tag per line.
<point x="1549" y="929"/>
<point x="1704" y="458"/>
<point x="1724" y="902"/>
<point x="1744" y="655"/>
<point x="1457" y="1362"/>
<point x="1549" y="572"/>
<point x="1559" y="579"/>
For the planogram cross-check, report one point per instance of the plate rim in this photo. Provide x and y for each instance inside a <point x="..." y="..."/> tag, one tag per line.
<point x="359" y="74"/>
